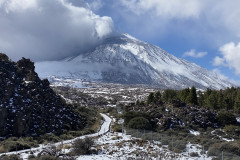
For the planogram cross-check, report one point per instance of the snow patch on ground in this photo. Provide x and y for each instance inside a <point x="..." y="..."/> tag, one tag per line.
<point x="196" y="133"/>
<point x="121" y="146"/>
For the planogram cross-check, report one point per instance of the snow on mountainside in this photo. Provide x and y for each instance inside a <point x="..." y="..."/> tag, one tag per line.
<point x="124" y="59"/>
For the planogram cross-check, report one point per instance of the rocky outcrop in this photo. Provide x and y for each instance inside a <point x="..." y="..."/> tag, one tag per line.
<point x="28" y="106"/>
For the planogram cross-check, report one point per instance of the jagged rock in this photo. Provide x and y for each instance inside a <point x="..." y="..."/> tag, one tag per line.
<point x="3" y="57"/>
<point x="28" y="106"/>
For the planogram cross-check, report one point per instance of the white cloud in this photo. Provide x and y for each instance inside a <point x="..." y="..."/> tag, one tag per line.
<point x="224" y="13"/>
<point x="194" y="54"/>
<point x="95" y="5"/>
<point x="218" y="61"/>
<point x="230" y="57"/>
<point x="169" y="8"/>
<point x="214" y="21"/>
<point x="49" y="29"/>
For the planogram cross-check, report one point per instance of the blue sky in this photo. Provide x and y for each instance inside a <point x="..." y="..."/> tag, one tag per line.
<point x="201" y="31"/>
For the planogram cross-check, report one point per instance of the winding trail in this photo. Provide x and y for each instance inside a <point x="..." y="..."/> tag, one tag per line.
<point x="103" y="130"/>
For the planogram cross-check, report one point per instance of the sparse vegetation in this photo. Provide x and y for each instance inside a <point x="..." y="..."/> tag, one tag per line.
<point x="10" y="157"/>
<point x="14" y="144"/>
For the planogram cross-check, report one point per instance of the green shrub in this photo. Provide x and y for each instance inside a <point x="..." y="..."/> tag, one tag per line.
<point x="232" y="130"/>
<point x="139" y="123"/>
<point x="15" y="145"/>
<point x="227" y="147"/>
<point x="50" y="138"/>
<point x="226" y="118"/>
<point x="31" y="157"/>
<point x="117" y="128"/>
<point x="130" y="115"/>
<point x="66" y="136"/>
<point x="47" y="157"/>
<point x="82" y="146"/>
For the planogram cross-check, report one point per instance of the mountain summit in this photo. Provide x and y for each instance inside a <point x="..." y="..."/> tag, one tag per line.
<point x="126" y="60"/>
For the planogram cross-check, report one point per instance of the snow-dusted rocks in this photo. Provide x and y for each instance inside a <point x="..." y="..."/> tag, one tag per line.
<point x="28" y="106"/>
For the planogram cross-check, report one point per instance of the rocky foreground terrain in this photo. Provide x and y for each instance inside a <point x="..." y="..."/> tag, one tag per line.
<point x="28" y="106"/>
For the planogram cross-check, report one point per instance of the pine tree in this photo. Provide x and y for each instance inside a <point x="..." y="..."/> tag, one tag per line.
<point x="192" y="97"/>
<point x="220" y="100"/>
<point x="212" y="101"/>
<point x="184" y="94"/>
<point x="157" y="97"/>
<point x="237" y="102"/>
<point x="200" y="98"/>
<point x="206" y="96"/>
<point x="150" y="98"/>
<point x="169" y="95"/>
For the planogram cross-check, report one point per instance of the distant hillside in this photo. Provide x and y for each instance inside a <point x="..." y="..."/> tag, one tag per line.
<point x="28" y="106"/>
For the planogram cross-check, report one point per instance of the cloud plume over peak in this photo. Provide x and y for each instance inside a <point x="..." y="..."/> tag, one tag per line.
<point x="49" y="29"/>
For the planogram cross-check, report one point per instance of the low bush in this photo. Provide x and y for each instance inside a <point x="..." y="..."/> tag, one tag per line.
<point x="82" y="146"/>
<point x="213" y="151"/>
<point x="232" y="130"/>
<point x="194" y="154"/>
<point x="139" y="123"/>
<point x="31" y="157"/>
<point x="50" y="138"/>
<point x="177" y="146"/>
<point x="117" y="128"/>
<point x="14" y="145"/>
<point x="232" y="148"/>
<point x="66" y="136"/>
<point x="226" y="118"/>
<point x="47" y="157"/>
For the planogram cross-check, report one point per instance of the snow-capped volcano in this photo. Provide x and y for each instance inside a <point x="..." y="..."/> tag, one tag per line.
<point x="126" y="60"/>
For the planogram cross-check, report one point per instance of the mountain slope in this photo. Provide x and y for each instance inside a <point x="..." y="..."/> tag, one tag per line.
<point x="28" y="106"/>
<point x="126" y="60"/>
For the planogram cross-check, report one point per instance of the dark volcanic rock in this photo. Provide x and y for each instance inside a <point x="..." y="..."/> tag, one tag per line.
<point x="28" y="106"/>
